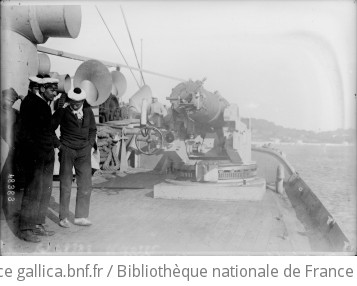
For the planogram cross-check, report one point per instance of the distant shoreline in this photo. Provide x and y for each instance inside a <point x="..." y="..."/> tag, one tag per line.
<point x="267" y="143"/>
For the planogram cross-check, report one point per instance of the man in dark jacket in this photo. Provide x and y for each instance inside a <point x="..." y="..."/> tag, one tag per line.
<point x="78" y="132"/>
<point x="37" y="151"/>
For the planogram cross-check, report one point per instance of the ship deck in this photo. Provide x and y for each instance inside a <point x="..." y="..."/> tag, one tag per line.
<point x="127" y="220"/>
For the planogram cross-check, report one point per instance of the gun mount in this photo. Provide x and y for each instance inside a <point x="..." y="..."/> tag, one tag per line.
<point x="206" y="133"/>
<point x="207" y="148"/>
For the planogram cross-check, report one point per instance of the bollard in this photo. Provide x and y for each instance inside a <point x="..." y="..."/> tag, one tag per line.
<point x="279" y="183"/>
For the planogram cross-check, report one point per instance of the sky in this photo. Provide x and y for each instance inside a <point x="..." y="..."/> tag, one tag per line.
<point x="289" y="62"/>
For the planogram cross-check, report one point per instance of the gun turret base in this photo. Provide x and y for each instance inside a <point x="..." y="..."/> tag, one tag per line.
<point x="246" y="190"/>
<point x="214" y="171"/>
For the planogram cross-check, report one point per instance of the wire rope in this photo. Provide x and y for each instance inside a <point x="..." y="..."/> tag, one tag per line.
<point x="132" y="44"/>
<point x="116" y="44"/>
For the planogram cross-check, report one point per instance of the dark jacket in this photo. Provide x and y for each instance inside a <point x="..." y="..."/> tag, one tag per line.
<point x="36" y="132"/>
<point x="75" y="134"/>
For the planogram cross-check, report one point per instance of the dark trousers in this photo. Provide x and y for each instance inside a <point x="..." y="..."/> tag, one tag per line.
<point x="81" y="161"/>
<point x="38" y="168"/>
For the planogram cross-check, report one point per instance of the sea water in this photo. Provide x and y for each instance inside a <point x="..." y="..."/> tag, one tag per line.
<point x="330" y="172"/>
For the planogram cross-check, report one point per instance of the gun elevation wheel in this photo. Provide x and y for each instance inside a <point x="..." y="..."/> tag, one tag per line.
<point x="149" y="140"/>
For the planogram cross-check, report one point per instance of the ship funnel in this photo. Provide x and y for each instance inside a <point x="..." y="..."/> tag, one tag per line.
<point x="119" y="83"/>
<point x="95" y="79"/>
<point x="64" y="84"/>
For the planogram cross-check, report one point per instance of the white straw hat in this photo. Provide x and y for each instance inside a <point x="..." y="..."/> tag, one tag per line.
<point x="50" y="80"/>
<point x="77" y="94"/>
<point x="36" y="79"/>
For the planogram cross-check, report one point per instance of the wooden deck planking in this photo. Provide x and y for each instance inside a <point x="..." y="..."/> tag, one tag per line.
<point x="131" y="221"/>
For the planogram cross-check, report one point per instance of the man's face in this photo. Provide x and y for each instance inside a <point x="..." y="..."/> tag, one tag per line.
<point x="49" y="92"/>
<point x="75" y="105"/>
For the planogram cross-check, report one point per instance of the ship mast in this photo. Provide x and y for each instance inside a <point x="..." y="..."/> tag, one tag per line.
<point x="67" y="55"/>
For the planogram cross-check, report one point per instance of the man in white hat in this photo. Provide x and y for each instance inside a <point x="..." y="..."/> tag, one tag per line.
<point x="37" y="149"/>
<point x="156" y="112"/>
<point x="78" y="132"/>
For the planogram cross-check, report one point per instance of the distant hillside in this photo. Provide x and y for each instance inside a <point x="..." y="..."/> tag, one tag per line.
<point x="263" y="130"/>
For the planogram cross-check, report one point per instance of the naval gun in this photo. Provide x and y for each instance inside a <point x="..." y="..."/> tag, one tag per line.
<point x="203" y="137"/>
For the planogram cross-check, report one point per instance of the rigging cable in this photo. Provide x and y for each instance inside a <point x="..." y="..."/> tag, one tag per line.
<point x="107" y="63"/>
<point x="132" y="44"/>
<point x="116" y="44"/>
